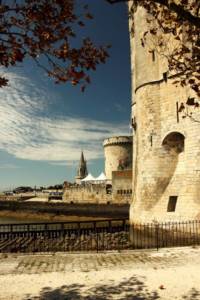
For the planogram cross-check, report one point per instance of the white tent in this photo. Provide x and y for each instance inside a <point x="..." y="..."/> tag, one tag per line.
<point x="89" y="177"/>
<point x="101" y="177"/>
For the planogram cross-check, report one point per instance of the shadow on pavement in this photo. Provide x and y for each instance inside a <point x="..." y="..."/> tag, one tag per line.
<point x="132" y="289"/>
<point x="193" y="295"/>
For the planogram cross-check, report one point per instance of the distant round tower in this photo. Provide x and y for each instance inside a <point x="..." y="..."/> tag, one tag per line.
<point x="118" y="154"/>
<point x="166" y="156"/>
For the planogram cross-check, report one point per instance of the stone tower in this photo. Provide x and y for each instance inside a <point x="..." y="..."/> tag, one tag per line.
<point x="82" y="169"/>
<point x="118" y="154"/>
<point x="166" y="154"/>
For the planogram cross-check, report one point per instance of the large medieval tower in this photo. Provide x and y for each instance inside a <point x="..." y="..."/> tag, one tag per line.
<point x="166" y="153"/>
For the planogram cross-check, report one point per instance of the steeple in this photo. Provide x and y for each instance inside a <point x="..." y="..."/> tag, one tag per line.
<point x="82" y="169"/>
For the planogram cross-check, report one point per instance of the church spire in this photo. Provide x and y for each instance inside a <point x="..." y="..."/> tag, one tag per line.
<point x="82" y="159"/>
<point x="82" y="169"/>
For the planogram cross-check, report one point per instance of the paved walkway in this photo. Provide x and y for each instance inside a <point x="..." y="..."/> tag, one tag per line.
<point x="166" y="274"/>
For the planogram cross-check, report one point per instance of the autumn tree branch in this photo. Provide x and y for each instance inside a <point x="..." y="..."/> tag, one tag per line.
<point x="178" y="9"/>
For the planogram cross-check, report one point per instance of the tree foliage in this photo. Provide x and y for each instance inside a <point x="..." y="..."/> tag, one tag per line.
<point x="175" y="35"/>
<point x="45" y="30"/>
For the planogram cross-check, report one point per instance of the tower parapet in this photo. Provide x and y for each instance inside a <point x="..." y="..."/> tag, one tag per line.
<point x="118" y="140"/>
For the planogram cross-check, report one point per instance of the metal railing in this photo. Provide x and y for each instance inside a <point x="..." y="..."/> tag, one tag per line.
<point x="168" y="234"/>
<point x="65" y="236"/>
<point x="97" y="236"/>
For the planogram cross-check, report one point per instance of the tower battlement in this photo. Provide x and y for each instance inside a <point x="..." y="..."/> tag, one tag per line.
<point x="118" y="140"/>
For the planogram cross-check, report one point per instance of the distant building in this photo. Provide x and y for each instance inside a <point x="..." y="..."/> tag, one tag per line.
<point x="115" y="186"/>
<point x="82" y="169"/>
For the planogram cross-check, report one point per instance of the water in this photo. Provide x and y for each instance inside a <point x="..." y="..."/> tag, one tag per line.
<point x="28" y="220"/>
<point x="14" y="220"/>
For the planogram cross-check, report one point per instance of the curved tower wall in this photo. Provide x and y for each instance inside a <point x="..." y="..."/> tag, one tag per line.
<point x="161" y="168"/>
<point x="118" y="154"/>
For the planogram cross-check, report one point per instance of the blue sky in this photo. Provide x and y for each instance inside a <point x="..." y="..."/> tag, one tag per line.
<point x="44" y="126"/>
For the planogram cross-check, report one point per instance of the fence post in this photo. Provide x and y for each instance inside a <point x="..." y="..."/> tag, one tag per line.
<point x="79" y="235"/>
<point x="97" y="240"/>
<point x="157" y="237"/>
<point x="96" y="232"/>
<point x="124" y="224"/>
<point x="109" y="225"/>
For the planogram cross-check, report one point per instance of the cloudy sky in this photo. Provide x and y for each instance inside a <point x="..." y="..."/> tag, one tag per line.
<point x="44" y="127"/>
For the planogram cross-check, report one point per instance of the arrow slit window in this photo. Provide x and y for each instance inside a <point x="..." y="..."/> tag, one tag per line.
<point x="172" y="203"/>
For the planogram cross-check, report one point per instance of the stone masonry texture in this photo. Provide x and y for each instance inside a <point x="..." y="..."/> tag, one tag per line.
<point x="166" y="154"/>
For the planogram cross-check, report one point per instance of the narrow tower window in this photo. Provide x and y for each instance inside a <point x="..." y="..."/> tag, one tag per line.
<point x="172" y="203"/>
<point x="153" y="55"/>
<point x="165" y="76"/>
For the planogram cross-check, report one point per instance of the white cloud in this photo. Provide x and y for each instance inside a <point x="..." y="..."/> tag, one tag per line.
<point x="27" y="135"/>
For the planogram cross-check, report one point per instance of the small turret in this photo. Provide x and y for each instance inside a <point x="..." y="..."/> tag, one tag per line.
<point x="82" y="169"/>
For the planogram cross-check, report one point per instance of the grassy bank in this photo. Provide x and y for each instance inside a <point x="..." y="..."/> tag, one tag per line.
<point x="22" y="216"/>
<point x="47" y="211"/>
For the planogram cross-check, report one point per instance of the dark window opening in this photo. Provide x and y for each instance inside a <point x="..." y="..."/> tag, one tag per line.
<point x="165" y="76"/>
<point x="124" y="192"/>
<point x="134" y="125"/>
<point x="153" y="55"/>
<point x="174" y="141"/>
<point x="172" y="203"/>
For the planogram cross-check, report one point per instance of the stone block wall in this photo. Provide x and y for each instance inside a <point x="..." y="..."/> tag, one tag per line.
<point x="119" y="193"/>
<point x="89" y="193"/>
<point x="122" y="186"/>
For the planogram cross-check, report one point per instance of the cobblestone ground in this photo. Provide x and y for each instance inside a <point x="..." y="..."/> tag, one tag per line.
<point x="62" y="262"/>
<point x="131" y="275"/>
